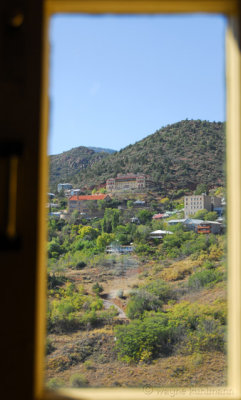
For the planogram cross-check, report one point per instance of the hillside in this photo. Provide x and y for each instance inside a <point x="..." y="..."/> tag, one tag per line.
<point x="64" y="166"/>
<point x="155" y="317"/>
<point x="180" y="155"/>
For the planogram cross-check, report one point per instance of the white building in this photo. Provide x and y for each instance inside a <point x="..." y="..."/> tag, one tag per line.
<point x="159" y="234"/>
<point x="64" y="186"/>
<point x="194" y="203"/>
<point x="129" y="182"/>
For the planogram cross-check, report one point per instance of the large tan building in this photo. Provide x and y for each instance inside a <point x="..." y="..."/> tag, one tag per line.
<point x="194" y="203"/>
<point x="129" y="182"/>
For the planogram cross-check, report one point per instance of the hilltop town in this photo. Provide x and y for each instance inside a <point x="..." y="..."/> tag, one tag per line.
<point x="130" y="188"/>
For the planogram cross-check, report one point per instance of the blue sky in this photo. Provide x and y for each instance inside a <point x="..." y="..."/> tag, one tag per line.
<point x="115" y="80"/>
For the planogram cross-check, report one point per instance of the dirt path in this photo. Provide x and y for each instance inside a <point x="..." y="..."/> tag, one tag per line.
<point x="107" y="304"/>
<point x="119" y="276"/>
<point x="124" y="283"/>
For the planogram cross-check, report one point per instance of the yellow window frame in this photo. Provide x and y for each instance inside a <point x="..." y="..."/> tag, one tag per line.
<point x="231" y="9"/>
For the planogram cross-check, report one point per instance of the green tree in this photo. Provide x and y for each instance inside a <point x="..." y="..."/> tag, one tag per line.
<point x="89" y="233"/>
<point x="145" y="216"/>
<point x="110" y="220"/>
<point x="101" y="204"/>
<point x="54" y="248"/>
<point x="211" y="216"/>
<point x="142" y="233"/>
<point x="201" y="188"/>
<point x="74" y="217"/>
<point x="103" y="240"/>
<point x="130" y="203"/>
<point x="122" y="235"/>
<point x="200" y="214"/>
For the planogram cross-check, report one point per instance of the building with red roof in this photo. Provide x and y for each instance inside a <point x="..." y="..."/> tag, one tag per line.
<point x="160" y="216"/>
<point x="80" y="203"/>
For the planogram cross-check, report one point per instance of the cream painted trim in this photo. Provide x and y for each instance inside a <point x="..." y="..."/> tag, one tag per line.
<point x="233" y="150"/>
<point x="228" y="7"/>
<point x="192" y="393"/>
<point x="233" y="391"/>
<point x="41" y="289"/>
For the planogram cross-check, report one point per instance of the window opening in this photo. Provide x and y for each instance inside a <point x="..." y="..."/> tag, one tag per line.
<point x="136" y="267"/>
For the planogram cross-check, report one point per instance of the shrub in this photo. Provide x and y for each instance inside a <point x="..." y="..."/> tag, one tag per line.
<point x="80" y="265"/>
<point x="204" y="277"/>
<point x="55" y="383"/>
<point x="144" y="249"/>
<point x="60" y="324"/>
<point x="55" y="281"/>
<point x="49" y="346"/>
<point x="78" y="381"/>
<point x="208" y="264"/>
<point x="78" y="245"/>
<point x="144" y="340"/>
<point x="161" y="289"/>
<point x="198" y="327"/>
<point x="97" y="288"/>
<point x="107" y="316"/>
<point x="191" y="326"/>
<point x="89" y="319"/>
<point x="96" y="305"/>
<point x="89" y="364"/>
<point x="209" y="335"/>
<point x="142" y="301"/>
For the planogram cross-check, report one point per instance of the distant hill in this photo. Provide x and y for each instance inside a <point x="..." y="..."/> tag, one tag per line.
<point x="180" y="155"/>
<point x="64" y="166"/>
<point x="101" y="150"/>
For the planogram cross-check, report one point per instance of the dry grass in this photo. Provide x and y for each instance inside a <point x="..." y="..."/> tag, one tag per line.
<point x="174" y="371"/>
<point x="179" y="270"/>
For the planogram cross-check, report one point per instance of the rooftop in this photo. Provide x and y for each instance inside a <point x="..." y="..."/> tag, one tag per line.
<point x="157" y="216"/>
<point x="89" y="197"/>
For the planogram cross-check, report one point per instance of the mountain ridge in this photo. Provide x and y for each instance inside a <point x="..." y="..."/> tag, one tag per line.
<point x="179" y="155"/>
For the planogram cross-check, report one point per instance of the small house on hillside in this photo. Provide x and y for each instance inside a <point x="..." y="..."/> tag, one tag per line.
<point x="55" y="214"/>
<point x="80" y="203"/>
<point x="198" y="225"/>
<point x="191" y="224"/>
<point x="118" y="249"/>
<point x="64" y="186"/>
<point x="75" y="192"/>
<point x="215" y="227"/>
<point x="139" y="203"/>
<point x="159" y="234"/>
<point x="135" y="220"/>
<point x="176" y="221"/>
